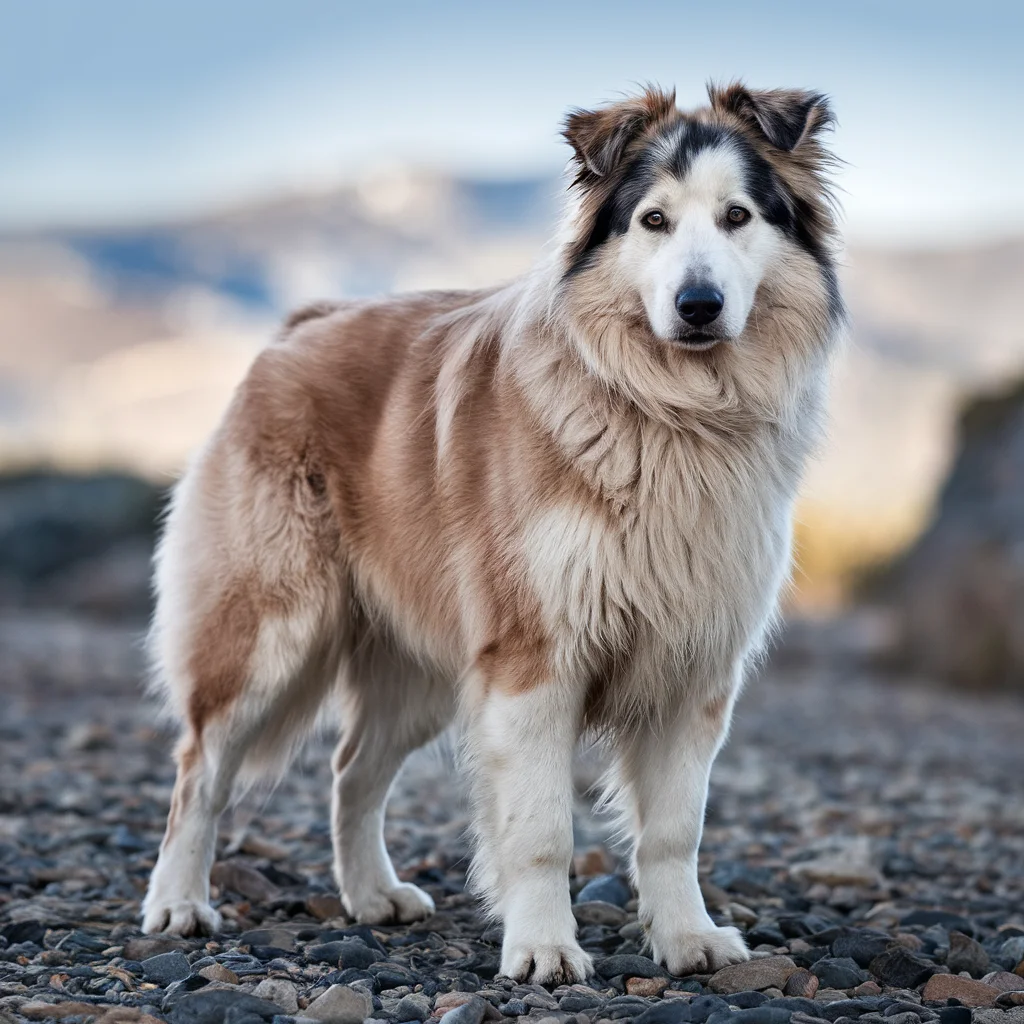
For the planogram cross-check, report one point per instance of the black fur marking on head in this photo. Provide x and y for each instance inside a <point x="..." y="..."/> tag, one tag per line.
<point x="617" y="210"/>
<point x="695" y="137"/>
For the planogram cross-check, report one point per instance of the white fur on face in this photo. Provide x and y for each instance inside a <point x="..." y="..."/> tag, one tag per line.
<point x="697" y="246"/>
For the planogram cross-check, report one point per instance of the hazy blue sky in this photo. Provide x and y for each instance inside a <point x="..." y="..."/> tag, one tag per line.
<point x="120" y="109"/>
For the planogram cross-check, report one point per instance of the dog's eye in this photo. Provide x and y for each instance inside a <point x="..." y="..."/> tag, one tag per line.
<point x="737" y="215"/>
<point x="655" y="219"/>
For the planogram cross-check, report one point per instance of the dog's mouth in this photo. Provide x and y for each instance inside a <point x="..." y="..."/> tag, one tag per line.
<point x="697" y="341"/>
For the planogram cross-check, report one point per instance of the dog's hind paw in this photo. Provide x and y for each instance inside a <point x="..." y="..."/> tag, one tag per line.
<point x="402" y="905"/>
<point x="699" y="952"/>
<point x="563" y="964"/>
<point x="182" y="917"/>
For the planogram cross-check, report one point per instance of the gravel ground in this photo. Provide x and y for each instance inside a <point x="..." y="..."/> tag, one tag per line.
<point x="867" y="836"/>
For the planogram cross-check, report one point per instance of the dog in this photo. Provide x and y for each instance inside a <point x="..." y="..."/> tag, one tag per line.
<point x="556" y="508"/>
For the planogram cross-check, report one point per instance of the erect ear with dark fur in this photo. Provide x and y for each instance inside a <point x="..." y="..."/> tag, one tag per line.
<point x="785" y="117"/>
<point x="600" y="137"/>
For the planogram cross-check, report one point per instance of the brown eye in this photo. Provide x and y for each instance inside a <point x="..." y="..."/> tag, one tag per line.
<point x="737" y="215"/>
<point x="654" y="219"/>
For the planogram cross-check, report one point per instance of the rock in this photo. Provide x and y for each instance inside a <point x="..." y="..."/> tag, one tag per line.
<point x="904" y="1017"/>
<point x="861" y="945"/>
<point x="245" y="880"/>
<point x="959" y="591"/>
<point x="765" y="933"/>
<point x="1013" y="948"/>
<point x="278" y="938"/>
<point x="927" y="918"/>
<point x="761" y="973"/>
<point x="966" y="954"/>
<point x="340" y="1004"/>
<point x="220" y="1006"/>
<point x="85" y="736"/>
<point x="323" y="906"/>
<point x="838" y="972"/>
<point x="25" y="931"/>
<point x="742" y="914"/>
<point x="899" y="968"/>
<point x="745" y="879"/>
<point x="867" y="988"/>
<point x="746" y="1000"/>
<point x="629" y="965"/>
<point x="259" y="846"/>
<point x="829" y="995"/>
<point x="278" y="991"/>
<point x="218" y="972"/>
<point x="579" y="997"/>
<point x="986" y="1016"/>
<point x="703" y="1007"/>
<point x="541" y="1000"/>
<point x="941" y="987"/>
<point x="851" y="866"/>
<point x="955" y="1015"/>
<point x="471" y="1012"/>
<point x="599" y="912"/>
<point x="607" y="889"/>
<point x="151" y="945"/>
<point x="593" y="861"/>
<point x="449" y="1000"/>
<point x="753" y="1015"/>
<point x="164" y="968"/>
<point x="345" y="953"/>
<point x="675" y="1011"/>
<point x="1004" y="981"/>
<point x="801" y="983"/>
<point x="414" y="1006"/>
<point x="796" y="1005"/>
<point x="50" y="1011"/>
<point x="647" y="987"/>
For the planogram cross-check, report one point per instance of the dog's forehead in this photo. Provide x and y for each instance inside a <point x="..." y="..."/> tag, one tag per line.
<point x="708" y="174"/>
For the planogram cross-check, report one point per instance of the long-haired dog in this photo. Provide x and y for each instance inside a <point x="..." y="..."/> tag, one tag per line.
<point x="558" y="507"/>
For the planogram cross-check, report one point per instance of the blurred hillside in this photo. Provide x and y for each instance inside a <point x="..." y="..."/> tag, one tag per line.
<point x="118" y="348"/>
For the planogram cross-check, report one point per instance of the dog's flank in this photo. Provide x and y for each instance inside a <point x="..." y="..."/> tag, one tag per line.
<point x="558" y="506"/>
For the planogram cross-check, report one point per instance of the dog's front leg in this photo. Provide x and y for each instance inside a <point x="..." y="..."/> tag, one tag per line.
<point x="521" y="746"/>
<point x="665" y="772"/>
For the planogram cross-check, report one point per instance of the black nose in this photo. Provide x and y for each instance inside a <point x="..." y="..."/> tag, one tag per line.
<point x="699" y="306"/>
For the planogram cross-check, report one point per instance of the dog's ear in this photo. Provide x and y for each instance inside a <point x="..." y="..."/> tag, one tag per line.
<point x="600" y="137"/>
<point x="785" y="117"/>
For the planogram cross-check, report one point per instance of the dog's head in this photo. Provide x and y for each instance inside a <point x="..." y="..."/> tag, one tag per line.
<point x="687" y="221"/>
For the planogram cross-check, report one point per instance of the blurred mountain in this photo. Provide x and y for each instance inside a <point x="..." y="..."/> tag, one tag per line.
<point x="119" y="347"/>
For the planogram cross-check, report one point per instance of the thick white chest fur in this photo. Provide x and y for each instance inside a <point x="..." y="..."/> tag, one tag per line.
<point x="686" y="574"/>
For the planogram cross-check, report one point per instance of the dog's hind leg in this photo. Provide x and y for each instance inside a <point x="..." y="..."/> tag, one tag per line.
<point x="391" y="706"/>
<point x="246" y="642"/>
<point x="178" y="898"/>
<point x="254" y="733"/>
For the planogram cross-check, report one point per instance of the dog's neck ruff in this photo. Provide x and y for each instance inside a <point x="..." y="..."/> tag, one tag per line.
<point x="614" y="398"/>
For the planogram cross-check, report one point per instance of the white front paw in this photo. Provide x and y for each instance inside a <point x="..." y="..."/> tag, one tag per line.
<point x="403" y="904"/>
<point x="700" y="951"/>
<point x="182" y="917"/>
<point x="562" y="963"/>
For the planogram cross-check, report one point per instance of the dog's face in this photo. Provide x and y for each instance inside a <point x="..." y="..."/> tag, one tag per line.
<point x="686" y="216"/>
<point x="696" y="248"/>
